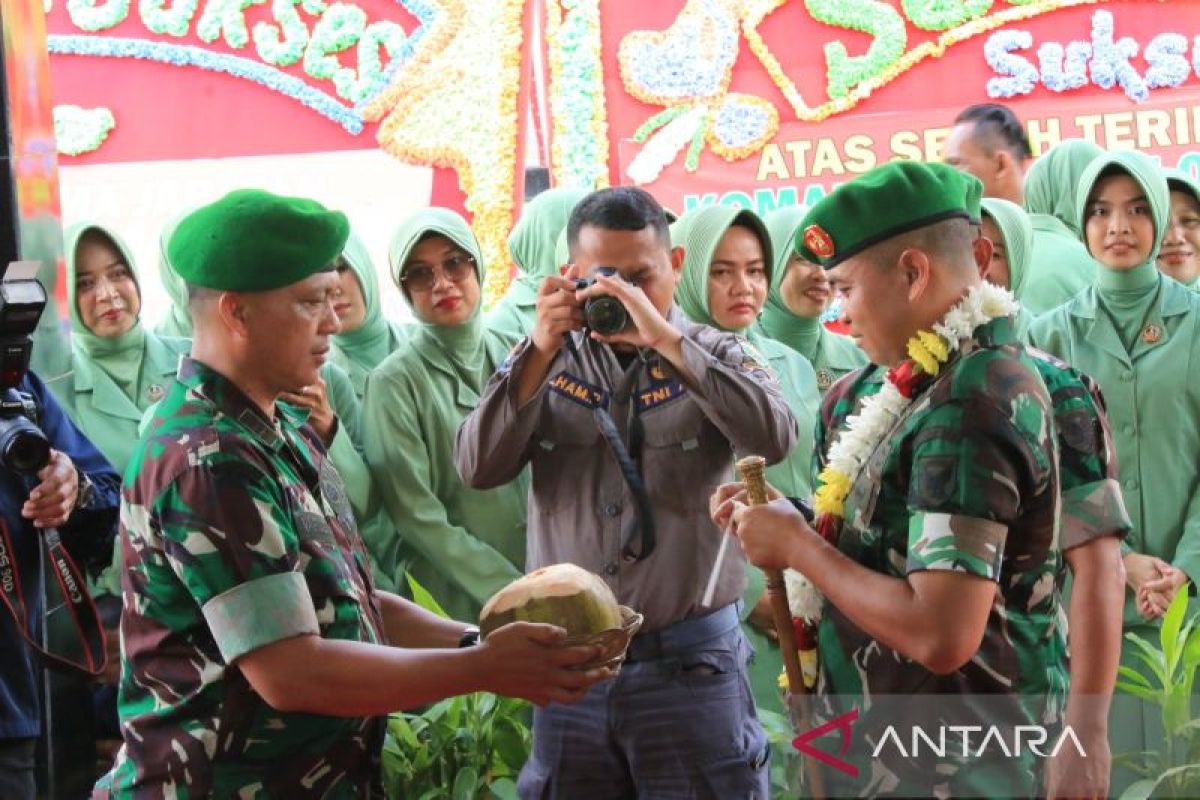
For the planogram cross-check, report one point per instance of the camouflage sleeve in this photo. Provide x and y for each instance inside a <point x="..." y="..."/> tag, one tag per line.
<point x="1092" y="503"/>
<point x="226" y="535"/>
<point x="971" y="466"/>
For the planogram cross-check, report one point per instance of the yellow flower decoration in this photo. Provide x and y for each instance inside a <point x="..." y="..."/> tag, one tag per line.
<point x="830" y="497"/>
<point x="935" y="344"/>
<point x="926" y="360"/>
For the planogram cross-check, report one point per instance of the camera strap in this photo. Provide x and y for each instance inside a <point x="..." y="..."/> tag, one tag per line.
<point x="642" y="526"/>
<point x="83" y="614"/>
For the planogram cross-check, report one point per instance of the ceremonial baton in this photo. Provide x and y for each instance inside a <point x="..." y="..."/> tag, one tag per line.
<point x="752" y="469"/>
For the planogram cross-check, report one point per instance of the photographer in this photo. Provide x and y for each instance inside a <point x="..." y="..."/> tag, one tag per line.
<point x="76" y="490"/>
<point x="672" y="401"/>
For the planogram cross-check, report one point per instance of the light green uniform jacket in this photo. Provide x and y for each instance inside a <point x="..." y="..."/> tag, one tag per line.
<point x="468" y="543"/>
<point x="699" y="232"/>
<point x="1135" y="332"/>
<point x="110" y="381"/>
<point x="1060" y="266"/>
<point x="831" y="355"/>
<point x="531" y="245"/>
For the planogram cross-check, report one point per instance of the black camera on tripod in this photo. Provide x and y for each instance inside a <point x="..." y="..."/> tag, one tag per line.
<point x="24" y="449"/>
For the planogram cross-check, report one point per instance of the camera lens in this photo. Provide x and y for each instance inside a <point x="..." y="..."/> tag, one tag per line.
<point x="23" y="448"/>
<point x="605" y="315"/>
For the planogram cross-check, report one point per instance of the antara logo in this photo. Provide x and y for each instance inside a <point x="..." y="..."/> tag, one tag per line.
<point x="957" y="741"/>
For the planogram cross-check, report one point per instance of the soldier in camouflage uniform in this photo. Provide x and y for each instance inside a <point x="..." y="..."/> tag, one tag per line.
<point x="253" y="639"/>
<point x="1093" y="524"/>
<point x="942" y="580"/>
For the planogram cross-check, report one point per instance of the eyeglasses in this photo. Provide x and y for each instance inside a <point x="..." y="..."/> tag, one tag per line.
<point x="423" y="277"/>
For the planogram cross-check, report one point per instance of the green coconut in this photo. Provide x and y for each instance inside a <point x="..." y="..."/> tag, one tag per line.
<point x="561" y="594"/>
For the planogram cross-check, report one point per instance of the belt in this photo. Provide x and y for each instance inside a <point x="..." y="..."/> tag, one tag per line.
<point x="684" y="635"/>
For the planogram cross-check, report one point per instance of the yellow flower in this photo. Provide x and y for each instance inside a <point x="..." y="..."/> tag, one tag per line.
<point x="926" y="360"/>
<point x="830" y="497"/>
<point x="783" y="681"/>
<point x="935" y="345"/>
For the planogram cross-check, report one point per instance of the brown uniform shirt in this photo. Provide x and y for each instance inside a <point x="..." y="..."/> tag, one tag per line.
<point x="579" y="504"/>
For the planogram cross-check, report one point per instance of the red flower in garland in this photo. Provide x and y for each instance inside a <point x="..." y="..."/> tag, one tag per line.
<point x="906" y="378"/>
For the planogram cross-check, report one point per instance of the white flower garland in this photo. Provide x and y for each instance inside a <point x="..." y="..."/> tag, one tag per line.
<point x="863" y="432"/>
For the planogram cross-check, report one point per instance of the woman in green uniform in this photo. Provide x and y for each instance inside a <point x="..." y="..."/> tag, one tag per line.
<point x="1059" y="266"/>
<point x="366" y="337"/>
<point x="531" y="245"/>
<point x="1011" y="233"/>
<point x="469" y="543"/>
<point x="726" y="275"/>
<point x="799" y="294"/>
<point x="1180" y="254"/>
<point x="1134" y="331"/>
<point x="118" y="368"/>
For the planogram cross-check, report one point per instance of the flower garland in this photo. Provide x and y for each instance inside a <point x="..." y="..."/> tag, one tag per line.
<point x="929" y="351"/>
<point x="190" y="56"/>
<point x="579" y="147"/>
<point x="470" y="60"/>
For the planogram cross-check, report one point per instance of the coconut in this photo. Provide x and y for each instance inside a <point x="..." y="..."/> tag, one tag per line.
<point x="562" y="594"/>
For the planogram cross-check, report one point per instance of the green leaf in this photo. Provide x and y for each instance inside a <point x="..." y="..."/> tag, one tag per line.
<point x="424" y="599"/>
<point x="504" y="789"/>
<point x="1148" y="695"/>
<point x="1191" y="649"/>
<point x="1168" y="634"/>
<point x="466" y="784"/>
<point x="1152" y="658"/>
<point x="1173" y="773"/>
<point x="485" y="704"/>
<point x="398" y="727"/>
<point x="512" y="743"/>
<point x="1134" y="676"/>
<point x="1139" y="790"/>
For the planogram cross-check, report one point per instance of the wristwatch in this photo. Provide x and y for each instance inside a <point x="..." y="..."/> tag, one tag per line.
<point x="470" y="637"/>
<point x="86" y="491"/>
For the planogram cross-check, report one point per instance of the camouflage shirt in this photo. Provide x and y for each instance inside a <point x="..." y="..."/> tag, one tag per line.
<point x="236" y="533"/>
<point x="1092" y="504"/>
<point x="968" y="481"/>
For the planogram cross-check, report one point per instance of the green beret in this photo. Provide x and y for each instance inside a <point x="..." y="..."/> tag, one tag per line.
<point x="255" y="241"/>
<point x="896" y="198"/>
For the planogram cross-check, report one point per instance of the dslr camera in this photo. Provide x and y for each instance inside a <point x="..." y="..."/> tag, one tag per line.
<point x="24" y="449"/>
<point x="604" y="313"/>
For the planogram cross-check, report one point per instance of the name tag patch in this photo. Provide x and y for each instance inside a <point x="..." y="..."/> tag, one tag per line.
<point x="578" y="391"/>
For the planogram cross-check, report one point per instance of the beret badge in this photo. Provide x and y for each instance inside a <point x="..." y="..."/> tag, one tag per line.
<point x="818" y="240"/>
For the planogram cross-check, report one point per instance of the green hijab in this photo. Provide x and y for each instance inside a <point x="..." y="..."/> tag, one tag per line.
<point x="1128" y="296"/>
<point x="778" y="321"/>
<point x="699" y="233"/>
<point x="376" y="338"/>
<point x="1017" y="231"/>
<point x="1148" y="175"/>
<point x="532" y="242"/>
<point x="178" y="321"/>
<point x="119" y="357"/>
<point x="1052" y="181"/>
<point x="462" y="348"/>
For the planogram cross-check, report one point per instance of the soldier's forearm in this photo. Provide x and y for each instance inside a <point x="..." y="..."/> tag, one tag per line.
<point x="339" y="678"/>
<point x="937" y="618"/>
<point x="1094" y="630"/>
<point x="409" y="625"/>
